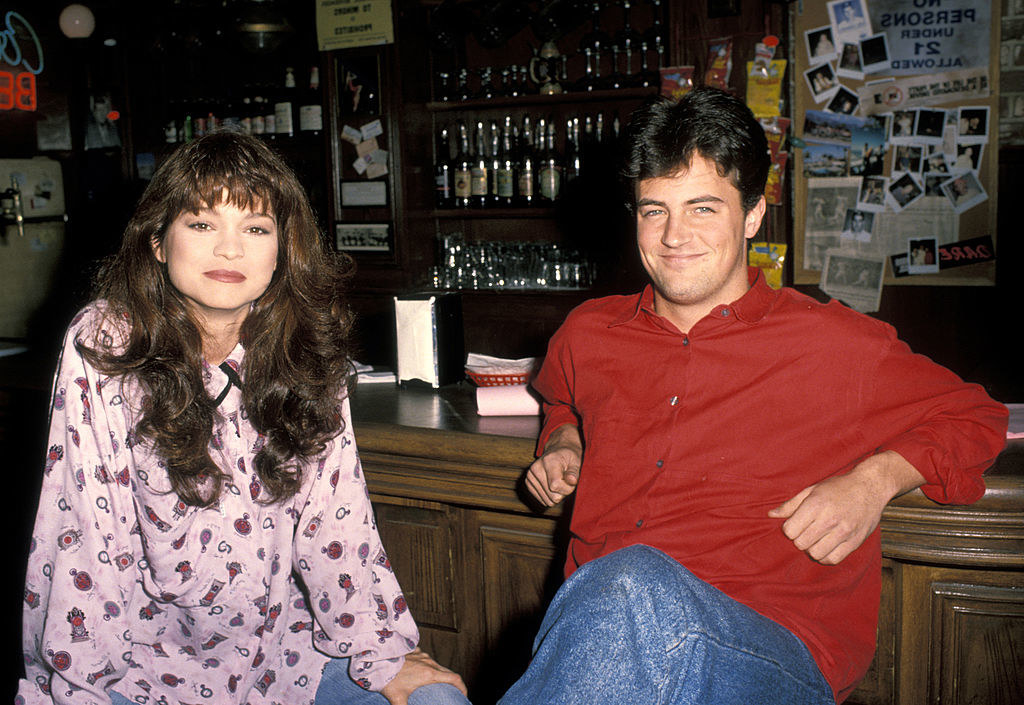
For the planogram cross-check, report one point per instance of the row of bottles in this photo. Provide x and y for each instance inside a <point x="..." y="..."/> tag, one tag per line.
<point x="271" y="111"/>
<point x="508" y="165"/>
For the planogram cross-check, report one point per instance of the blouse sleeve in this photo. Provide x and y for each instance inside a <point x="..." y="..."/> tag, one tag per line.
<point x="356" y="600"/>
<point x="75" y="633"/>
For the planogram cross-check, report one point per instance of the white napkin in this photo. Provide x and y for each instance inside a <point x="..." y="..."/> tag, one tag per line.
<point x="508" y="400"/>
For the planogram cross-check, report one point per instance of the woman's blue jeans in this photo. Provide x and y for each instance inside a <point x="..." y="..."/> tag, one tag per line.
<point x="336" y="688"/>
<point x="637" y="628"/>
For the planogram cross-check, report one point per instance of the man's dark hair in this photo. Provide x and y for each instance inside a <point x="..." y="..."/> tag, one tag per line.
<point x="663" y="135"/>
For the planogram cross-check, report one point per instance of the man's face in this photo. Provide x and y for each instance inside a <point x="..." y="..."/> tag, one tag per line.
<point x="857" y="221"/>
<point x="692" y="233"/>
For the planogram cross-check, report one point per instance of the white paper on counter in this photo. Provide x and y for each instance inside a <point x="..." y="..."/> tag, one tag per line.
<point x="509" y="400"/>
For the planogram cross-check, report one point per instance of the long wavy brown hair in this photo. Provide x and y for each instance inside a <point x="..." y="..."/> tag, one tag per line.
<point x="296" y="335"/>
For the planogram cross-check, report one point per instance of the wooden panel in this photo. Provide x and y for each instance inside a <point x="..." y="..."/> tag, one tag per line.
<point x="979" y="652"/>
<point x="520" y="571"/>
<point x="961" y="636"/>
<point x="420" y="540"/>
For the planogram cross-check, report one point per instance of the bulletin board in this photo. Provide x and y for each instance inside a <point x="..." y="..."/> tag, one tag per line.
<point x="896" y="154"/>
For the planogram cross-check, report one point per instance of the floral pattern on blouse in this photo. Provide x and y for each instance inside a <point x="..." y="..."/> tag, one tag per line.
<point x="131" y="590"/>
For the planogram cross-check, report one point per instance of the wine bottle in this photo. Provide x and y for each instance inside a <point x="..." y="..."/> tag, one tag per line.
<point x="284" y="122"/>
<point x="549" y="175"/>
<point x="479" y="181"/>
<point x="311" y="114"/>
<point x="463" y="170"/>
<point x="444" y="186"/>
<point x="504" y="178"/>
<point x="526" y="193"/>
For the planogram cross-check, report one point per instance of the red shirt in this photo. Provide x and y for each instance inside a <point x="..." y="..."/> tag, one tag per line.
<point x="691" y="438"/>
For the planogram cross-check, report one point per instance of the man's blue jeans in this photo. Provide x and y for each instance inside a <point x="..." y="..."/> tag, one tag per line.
<point x="336" y="688"/>
<point x="637" y="628"/>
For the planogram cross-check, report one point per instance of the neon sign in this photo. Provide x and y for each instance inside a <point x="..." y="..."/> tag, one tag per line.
<point x="18" y="88"/>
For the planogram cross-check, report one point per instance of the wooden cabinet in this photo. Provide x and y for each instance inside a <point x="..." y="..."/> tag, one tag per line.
<point x="479" y="564"/>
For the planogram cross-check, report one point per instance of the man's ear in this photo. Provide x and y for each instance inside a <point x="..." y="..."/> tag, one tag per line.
<point x="752" y="222"/>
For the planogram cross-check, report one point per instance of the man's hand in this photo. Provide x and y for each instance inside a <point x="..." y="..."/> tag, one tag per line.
<point x="830" y="519"/>
<point x="553" y="476"/>
<point x="419" y="669"/>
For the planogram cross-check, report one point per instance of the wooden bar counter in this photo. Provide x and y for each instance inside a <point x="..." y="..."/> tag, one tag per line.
<point x="479" y="561"/>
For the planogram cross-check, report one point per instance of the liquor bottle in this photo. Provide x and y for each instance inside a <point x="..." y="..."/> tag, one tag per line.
<point x="246" y="116"/>
<point x="463" y="170"/>
<point x="525" y="193"/>
<point x="311" y="114"/>
<point x="188" y="126"/>
<point x="269" y="116"/>
<point x="495" y="164"/>
<point x="504" y="178"/>
<point x="573" y="158"/>
<point x="444" y="186"/>
<point x="549" y="173"/>
<point x="284" y="122"/>
<point x="479" y="180"/>
<point x="259" y="115"/>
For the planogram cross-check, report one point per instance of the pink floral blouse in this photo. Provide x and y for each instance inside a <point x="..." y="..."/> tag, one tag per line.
<point x="129" y="589"/>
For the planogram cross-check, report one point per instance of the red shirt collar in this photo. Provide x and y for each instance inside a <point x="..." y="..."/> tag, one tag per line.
<point x="750" y="308"/>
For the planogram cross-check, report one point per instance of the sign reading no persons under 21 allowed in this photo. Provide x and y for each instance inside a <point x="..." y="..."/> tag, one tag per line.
<point x="929" y="36"/>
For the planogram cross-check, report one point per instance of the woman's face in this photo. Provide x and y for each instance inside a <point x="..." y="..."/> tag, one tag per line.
<point x="221" y="259"/>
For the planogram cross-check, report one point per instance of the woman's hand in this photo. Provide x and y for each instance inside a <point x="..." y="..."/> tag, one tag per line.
<point x="419" y="669"/>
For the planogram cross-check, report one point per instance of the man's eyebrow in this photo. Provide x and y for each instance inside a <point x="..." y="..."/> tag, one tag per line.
<point x="705" y="198"/>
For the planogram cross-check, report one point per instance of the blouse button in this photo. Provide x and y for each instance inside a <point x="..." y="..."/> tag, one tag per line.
<point x="725" y="312"/>
<point x="660" y="463"/>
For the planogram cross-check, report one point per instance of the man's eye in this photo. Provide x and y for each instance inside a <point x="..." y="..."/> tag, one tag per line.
<point x="200" y="226"/>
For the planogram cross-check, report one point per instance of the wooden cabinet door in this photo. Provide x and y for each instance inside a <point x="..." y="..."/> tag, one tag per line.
<point x="519" y="564"/>
<point x="962" y="636"/>
<point x="422" y="544"/>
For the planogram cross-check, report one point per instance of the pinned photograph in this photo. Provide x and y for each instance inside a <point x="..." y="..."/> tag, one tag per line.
<point x="922" y="255"/>
<point x="903" y="191"/>
<point x="858" y="225"/>
<point x="869" y="140"/>
<point x="820" y="46"/>
<point x="874" y="53"/>
<point x="903" y="126"/>
<point x="933" y="185"/>
<point x="973" y="125"/>
<point x="908" y="157"/>
<point x="833" y="128"/>
<point x="822" y="82"/>
<point x="844" y="101"/>
<point x="968" y="157"/>
<point x="826" y="159"/>
<point x="850" y="22"/>
<point x="872" y="194"/>
<point x="935" y="164"/>
<point x="853" y="279"/>
<point x="964" y="191"/>
<point x="929" y="125"/>
<point x="849" y="62"/>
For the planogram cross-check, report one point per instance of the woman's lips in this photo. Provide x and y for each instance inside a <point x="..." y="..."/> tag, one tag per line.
<point x="225" y="275"/>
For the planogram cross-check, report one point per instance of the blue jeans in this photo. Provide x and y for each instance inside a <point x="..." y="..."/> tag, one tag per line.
<point x="636" y="627"/>
<point x="336" y="688"/>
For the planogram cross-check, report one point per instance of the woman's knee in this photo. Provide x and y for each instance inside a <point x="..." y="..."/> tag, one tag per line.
<point x="437" y="694"/>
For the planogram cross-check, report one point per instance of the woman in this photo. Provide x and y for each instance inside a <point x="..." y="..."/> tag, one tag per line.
<point x="204" y="532"/>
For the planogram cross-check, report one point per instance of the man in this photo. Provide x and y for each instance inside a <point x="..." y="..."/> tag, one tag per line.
<point x="731" y="448"/>
<point x="857" y="227"/>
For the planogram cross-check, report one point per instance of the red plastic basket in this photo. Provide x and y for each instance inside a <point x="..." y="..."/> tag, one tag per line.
<point x="497" y="380"/>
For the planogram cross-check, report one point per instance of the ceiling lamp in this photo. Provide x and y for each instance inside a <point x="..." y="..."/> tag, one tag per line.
<point x="76" y="21"/>
<point x="262" y="26"/>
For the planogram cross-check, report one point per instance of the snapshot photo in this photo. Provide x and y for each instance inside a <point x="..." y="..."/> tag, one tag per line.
<point x="874" y="53"/>
<point x="844" y="101"/>
<point x="820" y="46"/>
<point x="922" y="255"/>
<point x="903" y="191"/>
<point x="964" y="191"/>
<point x="858" y="225"/>
<point x="872" y="194"/>
<point x="822" y="82"/>
<point x="849" y="62"/>
<point x="850" y="21"/>
<point x="853" y="279"/>
<point x="973" y="125"/>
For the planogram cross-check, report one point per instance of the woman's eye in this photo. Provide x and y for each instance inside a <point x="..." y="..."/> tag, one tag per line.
<point x="199" y="226"/>
<point x="257" y="230"/>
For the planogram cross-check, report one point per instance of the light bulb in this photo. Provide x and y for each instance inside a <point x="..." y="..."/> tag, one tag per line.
<point x="76" y="21"/>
